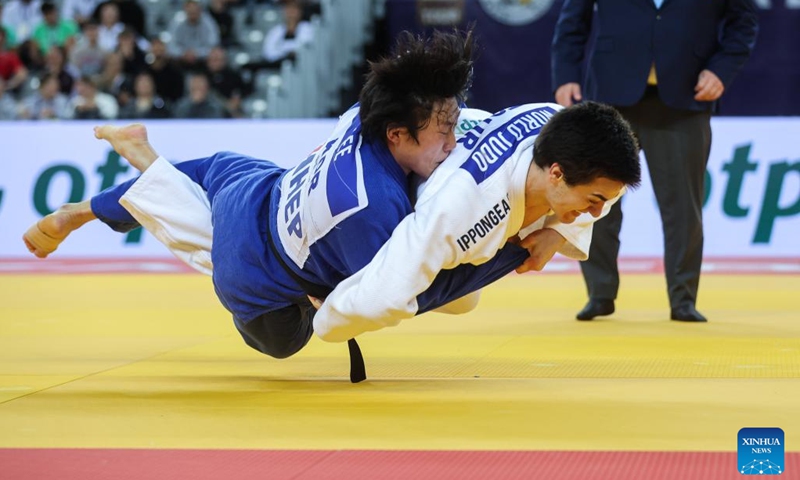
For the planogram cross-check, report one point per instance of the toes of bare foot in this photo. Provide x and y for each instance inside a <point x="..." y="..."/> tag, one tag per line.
<point x="33" y="249"/>
<point x="102" y="131"/>
<point x="44" y="237"/>
<point x="28" y="244"/>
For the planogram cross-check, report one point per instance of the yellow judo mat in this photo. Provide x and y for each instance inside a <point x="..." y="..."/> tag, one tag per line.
<point x="153" y="361"/>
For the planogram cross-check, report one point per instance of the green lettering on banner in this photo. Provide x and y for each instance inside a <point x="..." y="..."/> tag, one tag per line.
<point x="109" y="170"/>
<point x="737" y="169"/>
<point x="466" y="125"/>
<point x="134" y="236"/>
<point x="770" y="210"/>
<point x="706" y="188"/>
<point x="1" y="198"/>
<point x="43" y="186"/>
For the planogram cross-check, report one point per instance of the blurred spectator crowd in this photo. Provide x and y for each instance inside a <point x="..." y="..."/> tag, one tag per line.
<point x="129" y="59"/>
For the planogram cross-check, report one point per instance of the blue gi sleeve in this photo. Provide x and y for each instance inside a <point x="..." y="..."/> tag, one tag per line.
<point x="453" y="284"/>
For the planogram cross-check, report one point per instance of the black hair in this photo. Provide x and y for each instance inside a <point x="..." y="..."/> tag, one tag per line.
<point x="589" y="140"/>
<point x="47" y="7"/>
<point x="402" y="89"/>
<point x="46" y="78"/>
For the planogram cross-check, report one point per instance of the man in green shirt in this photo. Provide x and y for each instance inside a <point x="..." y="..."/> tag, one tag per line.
<point x="53" y="30"/>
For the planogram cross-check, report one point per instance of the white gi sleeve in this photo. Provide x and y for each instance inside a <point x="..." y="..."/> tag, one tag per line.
<point x="385" y="291"/>
<point x="172" y="207"/>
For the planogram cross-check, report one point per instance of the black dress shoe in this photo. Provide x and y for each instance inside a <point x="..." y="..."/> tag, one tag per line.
<point x="596" y="308"/>
<point x="687" y="314"/>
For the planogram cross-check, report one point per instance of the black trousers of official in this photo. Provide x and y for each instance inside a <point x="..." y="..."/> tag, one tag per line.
<point x="676" y="145"/>
<point x="280" y="333"/>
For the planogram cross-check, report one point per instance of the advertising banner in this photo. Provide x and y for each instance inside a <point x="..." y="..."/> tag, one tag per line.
<point x="43" y="165"/>
<point x="752" y="206"/>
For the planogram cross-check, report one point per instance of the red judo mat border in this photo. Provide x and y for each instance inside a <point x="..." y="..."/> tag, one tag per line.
<point x="711" y="265"/>
<point x="136" y="464"/>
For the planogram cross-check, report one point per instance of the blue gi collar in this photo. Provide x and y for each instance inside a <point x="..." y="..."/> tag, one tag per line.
<point x="381" y="152"/>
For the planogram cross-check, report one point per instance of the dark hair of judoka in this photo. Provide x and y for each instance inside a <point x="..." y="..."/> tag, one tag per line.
<point x="402" y="89"/>
<point x="589" y="140"/>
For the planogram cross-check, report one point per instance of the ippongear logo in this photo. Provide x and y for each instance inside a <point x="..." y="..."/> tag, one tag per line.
<point x="516" y="12"/>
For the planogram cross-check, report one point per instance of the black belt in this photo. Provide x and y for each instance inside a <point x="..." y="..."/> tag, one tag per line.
<point x="358" y="372"/>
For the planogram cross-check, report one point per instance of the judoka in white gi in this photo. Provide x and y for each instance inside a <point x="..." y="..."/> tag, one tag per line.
<point x="521" y="170"/>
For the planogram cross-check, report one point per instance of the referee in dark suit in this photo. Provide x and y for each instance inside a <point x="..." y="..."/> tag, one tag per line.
<point x="663" y="64"/>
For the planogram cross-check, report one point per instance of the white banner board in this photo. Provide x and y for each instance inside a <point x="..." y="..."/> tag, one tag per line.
<point x="752" y="210"/>
<point x="753" y="194"/>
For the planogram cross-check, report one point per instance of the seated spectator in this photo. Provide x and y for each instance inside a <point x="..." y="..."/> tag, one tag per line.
<point x="200" y="103"/>
<point x="8" y="106"/>
<point x="55" y="64"/>
<point x="283" y="40"/>
<point x="86" y="56"/>
<point x="193" y="36"/>
<point x="166" y="74"/>
<point x="133" y="58"/>
<point x="226" y="82"/>
<point x="22" y="16"/>
<point x="218" y="9"/>
<point x="114" y="81"/>
<point x="47" y="103"/>
<point x="79" y="11"/>
<point x="89" y="104"/>
<point x="130" y="13"/>
<point x="145" y="104"/>
<point x="53" y="30"/>
<point x="110" y="26"/>
<point x="12" y="71"/>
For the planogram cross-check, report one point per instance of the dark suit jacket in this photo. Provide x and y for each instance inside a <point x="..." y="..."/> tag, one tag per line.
<point x="683" y="37"/>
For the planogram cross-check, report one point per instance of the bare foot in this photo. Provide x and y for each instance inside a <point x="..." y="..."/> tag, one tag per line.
<point x="44" y="237"/>
<point x="130" y="142"/>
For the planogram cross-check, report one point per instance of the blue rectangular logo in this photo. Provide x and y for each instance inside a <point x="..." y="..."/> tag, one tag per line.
<point x="761" y="451"/>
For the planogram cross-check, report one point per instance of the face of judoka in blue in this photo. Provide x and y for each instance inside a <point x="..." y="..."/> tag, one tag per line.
<point x="434" y="142"/>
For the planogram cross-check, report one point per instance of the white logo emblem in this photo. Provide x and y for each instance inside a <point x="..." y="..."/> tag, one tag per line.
<point x="516" y="12"/>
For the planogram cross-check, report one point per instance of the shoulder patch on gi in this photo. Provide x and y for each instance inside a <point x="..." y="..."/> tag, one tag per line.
<point x="497" y="140"/>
